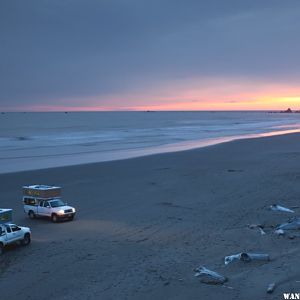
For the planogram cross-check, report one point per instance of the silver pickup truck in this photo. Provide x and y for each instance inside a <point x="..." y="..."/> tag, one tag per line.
<point x="45" y="201"/>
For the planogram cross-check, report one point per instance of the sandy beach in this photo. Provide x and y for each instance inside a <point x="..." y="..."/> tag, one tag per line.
<point x="144" y="224"/>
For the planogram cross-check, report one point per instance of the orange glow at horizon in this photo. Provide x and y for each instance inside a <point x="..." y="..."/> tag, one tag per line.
<point x="263" y="103"/>
<point x="214" y="94"/>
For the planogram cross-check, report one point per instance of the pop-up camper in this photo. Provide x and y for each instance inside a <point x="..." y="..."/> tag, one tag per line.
<point x="5" y="215"/>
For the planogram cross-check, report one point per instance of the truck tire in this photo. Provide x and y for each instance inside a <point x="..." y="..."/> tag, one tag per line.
<point x="31" y="214"/>
<point x="1" y="248"/>
<point x="54" y="218"/>
<point x="27" y="239"/>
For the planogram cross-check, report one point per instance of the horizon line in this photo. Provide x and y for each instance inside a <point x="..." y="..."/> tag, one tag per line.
<point x="148" y="110"/>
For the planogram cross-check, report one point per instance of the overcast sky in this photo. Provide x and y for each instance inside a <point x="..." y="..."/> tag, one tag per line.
<point x="138" y="54"/>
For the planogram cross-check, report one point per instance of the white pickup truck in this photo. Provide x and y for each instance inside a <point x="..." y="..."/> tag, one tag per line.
<point x="11" y="233"/>
<point x="45" y="201"/>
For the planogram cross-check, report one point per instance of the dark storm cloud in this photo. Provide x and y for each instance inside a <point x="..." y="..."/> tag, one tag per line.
<point x="68" y="48"/>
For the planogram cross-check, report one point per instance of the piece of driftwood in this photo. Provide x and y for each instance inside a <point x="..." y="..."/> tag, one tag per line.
<point x="292" y="225"/>
<point x="259" y="226"/>
<point x="208" y="276"/>
<point x="271" y="288"/>
<point x="247" y="257"/>
<point x="276" y="207"/>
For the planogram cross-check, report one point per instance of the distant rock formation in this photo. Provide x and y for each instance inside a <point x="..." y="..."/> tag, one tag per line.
<point x="288" y="111"/>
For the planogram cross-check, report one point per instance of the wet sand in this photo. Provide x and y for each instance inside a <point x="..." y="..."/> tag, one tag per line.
<point x="144" y="224"/>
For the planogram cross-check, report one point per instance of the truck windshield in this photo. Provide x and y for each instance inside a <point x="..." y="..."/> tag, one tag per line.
<point x="56" y="203"/>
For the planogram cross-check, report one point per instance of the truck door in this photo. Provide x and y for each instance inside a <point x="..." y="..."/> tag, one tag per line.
<point x="47" y="208"/>
<point x="41" y="209"/>
<point x="9" y="234"/>
<point x="16" y="231"/>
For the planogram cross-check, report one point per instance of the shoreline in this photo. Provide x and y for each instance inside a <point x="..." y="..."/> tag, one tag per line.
<point x="144" y="224"/>
<point x="14" y="165"/>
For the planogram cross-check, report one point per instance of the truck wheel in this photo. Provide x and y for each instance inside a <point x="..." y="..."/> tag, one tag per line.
<point x="1" y="249"/>
<point x="31" y="214"/>
<point x="26" y="240"/>
<point x="54" y="218"/>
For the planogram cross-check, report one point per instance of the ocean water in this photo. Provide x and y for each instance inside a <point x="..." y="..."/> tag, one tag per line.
<point x="42" y="140"/>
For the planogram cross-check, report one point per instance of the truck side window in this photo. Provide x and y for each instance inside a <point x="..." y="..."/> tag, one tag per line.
<point x="8" y="230"/>
<point x="14" y="228"/>
<point x="29" y="201"/>
<point x="46" y="204"/>
<point x="42" y="203"/>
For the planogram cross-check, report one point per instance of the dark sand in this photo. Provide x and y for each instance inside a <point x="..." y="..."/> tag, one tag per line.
<point x="143" y="224"/>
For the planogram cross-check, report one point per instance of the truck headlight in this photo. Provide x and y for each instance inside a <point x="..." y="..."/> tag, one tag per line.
<point x="60" y="212"/>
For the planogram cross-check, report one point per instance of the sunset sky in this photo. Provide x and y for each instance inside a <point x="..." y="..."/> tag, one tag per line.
<point x="149" y="55"/>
